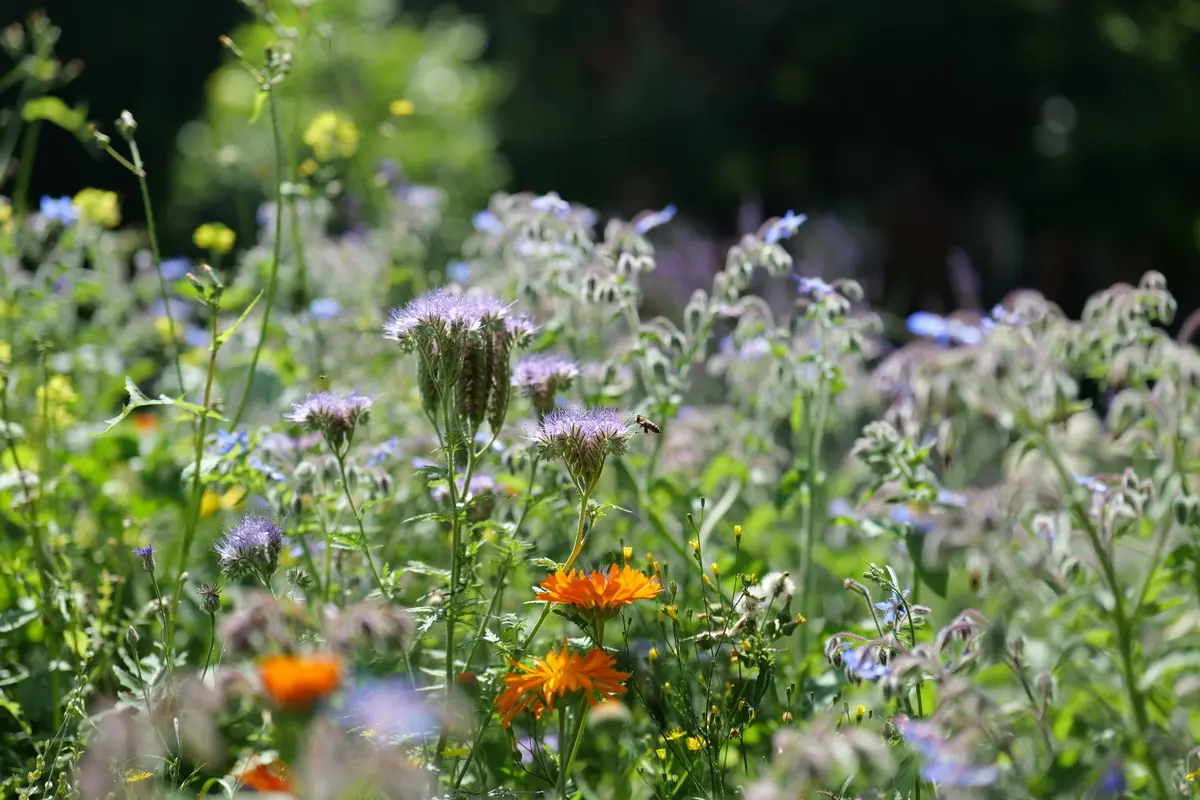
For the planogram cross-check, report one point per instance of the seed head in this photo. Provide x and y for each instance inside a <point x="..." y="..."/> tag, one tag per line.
<point x="210" y="598"/>
<point x="251" y="547"/>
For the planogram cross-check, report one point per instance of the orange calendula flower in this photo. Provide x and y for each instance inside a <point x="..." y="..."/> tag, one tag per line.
<point x="599" y="595"/>
<point x="558" y="675"/>
<point x="271" y="777"/>
<point x="295" y="683"/>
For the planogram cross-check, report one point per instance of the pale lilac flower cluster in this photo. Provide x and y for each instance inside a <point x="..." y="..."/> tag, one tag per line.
<point x="542" y="377"/>
<point x="335" y="416"/>
<point x="251" y="547"/>
<point x="583" y="438"/>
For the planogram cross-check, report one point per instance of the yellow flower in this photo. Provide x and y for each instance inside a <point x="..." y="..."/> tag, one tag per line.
<point x="211" y="502"/>
<point x="859" y="713"/>
<point x="57" y="396"/>
<point x="695" y="743"/>
<point x="215" y="237"/>
<point x="1193" y="777"/>
<point x="308" y="167"/>
<point x="675" y="734"/>
<point x="661" y="753"/>
<point x="137" y="775"/>
<point x="99" y="207"/>
<point x="331" y="135"/>
<point x="401" y="108"/>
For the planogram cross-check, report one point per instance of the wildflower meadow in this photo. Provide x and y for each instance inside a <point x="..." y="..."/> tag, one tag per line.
<point x="335" y="513"/>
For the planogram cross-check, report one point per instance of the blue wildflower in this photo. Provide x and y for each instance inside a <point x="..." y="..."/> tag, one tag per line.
<point x="324" y="308"/>
<point x="487" y="222"/>
<point x="903" y="514"/>
<point x="944" y="330"/>
<point x="146" y="554"/>
<point x="258" y="465"/>
<point x="388" y="708"/>
<point x="1093" y="485"/>
<point x="814" y="287"/>
<point x="649" y="220"/>
<point x="195" y="336"/>
<point x="894" y="609"/>
<point x="61" y="209"/>
<point x="458" y="271"/>
<point x="227" y="442"/>
<point x="783" y="228"/>
<point x="1113" y="781"/>
<point x="860" y="664"/>
<point x="551" y="203"/>
<point x="174" y="269"/>
<point x="381" y="452"/>
<point x="943" y="765"/>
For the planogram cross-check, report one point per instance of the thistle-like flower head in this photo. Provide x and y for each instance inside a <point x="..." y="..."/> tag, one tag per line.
<point x="335" y="416"/>
<point x="437" y="314"/>
<point x="583" y="438"/>
<point x="251" y="547"/>
<point x="147" y="555"/>
<point x="542" y="376"/>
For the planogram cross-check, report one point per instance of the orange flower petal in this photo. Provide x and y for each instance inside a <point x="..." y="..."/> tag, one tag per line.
<point x="296" y="683"/>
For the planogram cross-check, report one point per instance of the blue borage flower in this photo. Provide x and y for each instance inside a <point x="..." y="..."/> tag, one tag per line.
<point x="173" y="269"/>
<point x="228" y="442"/>
<point x="863" y="663"/>
<point x="551" y="203"/>
<point x="947" y="330"/>
<point x="647" y="221"/>
<point x="894" y="609"/>
<point x="335" y="416"/>
<point x="324" y="308"/>
<point x="783" y="227"/>
<point x="487" y="222"/>
<point x="942" y="764"/>
<point x="60" y="209"/>
<point x="542" y="376"/>
<point x="814" y="287"/>
<point x="382" y="452"/>
<point x="583" y="438"/>
<point x="251" y="547"/>
<point x="1092" y="484"/>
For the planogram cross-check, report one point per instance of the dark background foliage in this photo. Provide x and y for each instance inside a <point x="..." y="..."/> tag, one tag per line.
<point x="1053" y="141"/>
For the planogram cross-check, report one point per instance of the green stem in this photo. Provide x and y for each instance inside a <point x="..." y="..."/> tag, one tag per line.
<point x="189" y="533"/>
<point x="212" y="641"/>
<point x="275" y="254"/>
<point x="812" y="482"/>
<point x="362" y="533"/>
<point x="583" y="505"/>
<point x="25" y="169"/>
<point x="1121" y="621"/>
<point x="561" y="782"/>
<point x="152" y="232"/>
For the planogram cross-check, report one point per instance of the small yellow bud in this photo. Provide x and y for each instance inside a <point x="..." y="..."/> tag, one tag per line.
<point x="626" y="554"/>
<point x="787" y="716"/>
<point x="667" y="687"/>
<point x="672" y="612"/>
<point x="800" y="619"/>
<point x="716" y="571"/>
<point x="737" y="532"/>
<point x="653" y="654"/>
<point x="859" y="713"/>
<point x="308" y="167"/>
<point x="705" y="578"/>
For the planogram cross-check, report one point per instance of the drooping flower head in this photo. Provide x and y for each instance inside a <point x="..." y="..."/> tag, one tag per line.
<point x="251" y="547"/>
<point x="560" y="675"/>
<point x="583" y="438"/>
<point x="862" y="664"/>
<point x="335" y="416"/>
<point x="599" y="595"/>
<point x="542" y="377"/>
<point x="296" y="683"/>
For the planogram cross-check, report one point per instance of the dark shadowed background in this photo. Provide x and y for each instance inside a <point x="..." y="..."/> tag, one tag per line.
<point x="1046" y="143"/>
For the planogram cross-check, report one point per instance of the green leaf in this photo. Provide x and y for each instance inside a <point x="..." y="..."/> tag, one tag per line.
<point x="935" y="577"/>
<point x="54" y="110"/>
<point x="12" y="620"/>
<point x="421" y="568"/>
<point x="224" y="336"/>
<point x="1183" y="660"/>
<point x="796" y="418"/>
<point x="260" y="100"/>
<point x="138" y="400"/>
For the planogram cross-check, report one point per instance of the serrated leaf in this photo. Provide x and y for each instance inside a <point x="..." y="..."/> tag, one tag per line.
<point x="225" y="334"/>
<point x="421" y="568"/>
<point x="139" y="400"/>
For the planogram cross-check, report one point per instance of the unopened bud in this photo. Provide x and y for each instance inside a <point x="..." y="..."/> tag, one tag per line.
<point x="126" y="125"/>
<point x="131" y="636"/>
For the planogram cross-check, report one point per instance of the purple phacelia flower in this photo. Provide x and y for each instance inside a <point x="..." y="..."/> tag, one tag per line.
<point x="542" y="376"/>
<point x="335" y="416"/>
<point x="782" y="227"/>
<point x="251" y="547"/>
<point x="436" y="314"/>
<point x="583" y="438"/>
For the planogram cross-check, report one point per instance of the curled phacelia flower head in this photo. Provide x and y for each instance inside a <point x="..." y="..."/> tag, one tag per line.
<point x="583" y="438"/>
<point x="542" y="376"/>
<point x="335" y="416"/>
<point x="464" y="342"/>
<point x="251" y="547"/>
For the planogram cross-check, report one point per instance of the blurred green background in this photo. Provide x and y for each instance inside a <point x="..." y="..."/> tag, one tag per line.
<point x="1046" y="143"/>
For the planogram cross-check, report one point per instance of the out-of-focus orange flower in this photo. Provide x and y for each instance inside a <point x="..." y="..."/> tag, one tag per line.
<point x="599" y="595"/>
<point x="145" y="423"/>
<point x="271" y="777"/>
<point x="296" y="683"/>
<point x="535" y="689"/>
